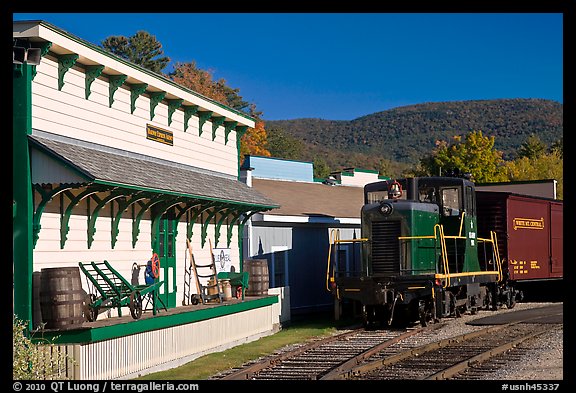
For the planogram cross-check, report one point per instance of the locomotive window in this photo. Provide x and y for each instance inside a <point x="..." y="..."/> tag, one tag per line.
<point x="376" y="196"/>
<point x="451" y="201"/>
<point x="470" y="205"/>
<point x="427" y="194"/>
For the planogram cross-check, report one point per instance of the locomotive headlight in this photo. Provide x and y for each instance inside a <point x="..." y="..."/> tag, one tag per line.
<point x="386" y="208"/>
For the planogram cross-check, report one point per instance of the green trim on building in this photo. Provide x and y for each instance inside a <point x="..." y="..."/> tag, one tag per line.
<point x="172" y="106"/>
<point x="159" y="321"/>
<point x="135" y="91"/>
<point x="91" y="72"/>
<point x="65" y="62"/>
<point x="228" y="127"/>
<point x="138" y="68"/>
<point x="165" y="192"/>
<point x="114" y="82"/>
<point x="216" y="121"/>
<point x="189" y="111"/>
<point x="22" y="238"/>
<point x="202" y="117"/>
<point x="155" y="99"/>
<point x="365" y="170"/>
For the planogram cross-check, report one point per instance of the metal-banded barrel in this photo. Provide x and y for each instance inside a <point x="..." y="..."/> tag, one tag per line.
<point x="258" y="280"/>
<point x="61" y="298"/>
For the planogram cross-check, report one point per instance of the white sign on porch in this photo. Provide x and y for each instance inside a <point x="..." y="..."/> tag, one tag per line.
<point x="222" y="259"/>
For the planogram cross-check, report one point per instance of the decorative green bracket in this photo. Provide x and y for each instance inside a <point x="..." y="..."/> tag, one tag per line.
<point x="244" y="221"/>
<point x="47" y="196"/>
<point x="160" y="212"/>
<point x="122" y="207"/>
<point x="143" y="207"/>
<point x="44" y="49"/>
<point x="203" y="116"/>
<point x="65" y="62"/>
<point x="184" y="210"/>
<point x="135" y="91"/>
<point x="114" y="82"/>
<point x="189" y="205"/>
<point x="219" y="224"/>
<point x="189" y="111"/>
<point x="155" y="99"/>
<point x="235" y="218"/>
<point x="91" y="73"/>
<point x="172" y="106"/>
<point x="217" y="121"/>
<point x="114" y="194"/>
<point x="74" y="200"/>
<point x="228" y="127"/>
<point x="195" y="213"/>
<point x="217" y="208"/>
<point x="240" y="131"/>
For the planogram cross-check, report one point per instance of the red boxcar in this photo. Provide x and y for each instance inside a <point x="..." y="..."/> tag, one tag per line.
<point x="529" y="230"/>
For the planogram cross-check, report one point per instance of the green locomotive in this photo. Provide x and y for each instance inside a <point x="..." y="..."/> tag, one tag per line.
<point x="421" y="257"/>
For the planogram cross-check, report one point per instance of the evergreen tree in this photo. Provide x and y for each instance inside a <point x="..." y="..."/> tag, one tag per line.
<point x="533" y="147"/>
<point x="282" y="145"/>
<point x="142" y="48"/>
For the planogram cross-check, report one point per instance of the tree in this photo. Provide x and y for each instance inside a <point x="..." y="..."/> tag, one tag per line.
<point x="142" y="48"/>
<point x="533" y="147"/>
<point x="558" y="147"/>
<point x="476" y="155"/>
<point x="321" y="168"/>
<point x="192" y="77"/>
<point x="544" y="166"/>
<point x="282" y="145"/>
<point x="253" y="142"/>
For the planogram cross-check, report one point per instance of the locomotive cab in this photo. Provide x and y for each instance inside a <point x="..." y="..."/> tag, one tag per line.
<point x="421" y="258"/>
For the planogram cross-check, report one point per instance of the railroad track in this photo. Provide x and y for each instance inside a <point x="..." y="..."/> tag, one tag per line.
<point x="446" y="358"/>
<point x="327" y="357"/>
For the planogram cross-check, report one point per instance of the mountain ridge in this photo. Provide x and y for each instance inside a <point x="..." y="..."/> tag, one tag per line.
<point x="405" y="134"/>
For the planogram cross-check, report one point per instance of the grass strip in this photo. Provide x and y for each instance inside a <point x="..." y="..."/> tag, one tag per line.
<point x="205" y="366"/>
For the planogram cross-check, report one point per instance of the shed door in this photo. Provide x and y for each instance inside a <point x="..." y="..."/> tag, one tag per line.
<point x="556" y="239"/>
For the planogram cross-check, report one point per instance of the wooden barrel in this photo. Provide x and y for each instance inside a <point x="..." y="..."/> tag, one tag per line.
<point x="61" y="298"/>
<point x="258" y="280"/>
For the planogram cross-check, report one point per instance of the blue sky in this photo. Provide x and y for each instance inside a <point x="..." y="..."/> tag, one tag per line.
<point x="341" y="66"/>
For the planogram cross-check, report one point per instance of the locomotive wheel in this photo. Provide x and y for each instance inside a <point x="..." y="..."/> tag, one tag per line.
<point x="510" y="299"/>
<point x="423" y="315"/>
<point x="135" y="305"/>
<point x="369" y="317"/>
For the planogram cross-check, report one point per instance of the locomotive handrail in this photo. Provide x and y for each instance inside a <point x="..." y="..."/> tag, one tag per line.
<point x="334" y="234"/>
<point x="494" y="240"/>
<point x="498" y="261"/>
<point x="443" y="253"/>
<point x="335" y="239"/>
<point x="461" y="223"/>
<point x="438" y="232"/>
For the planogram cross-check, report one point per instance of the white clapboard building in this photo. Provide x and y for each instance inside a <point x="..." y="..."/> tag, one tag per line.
<point x="113" y="162"/>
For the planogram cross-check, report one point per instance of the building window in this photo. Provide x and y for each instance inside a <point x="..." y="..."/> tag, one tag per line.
<point x="279" y="267"/>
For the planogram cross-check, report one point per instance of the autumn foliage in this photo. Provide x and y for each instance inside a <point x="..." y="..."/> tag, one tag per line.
<point x="200" y="81"/>
<point x="254" y="141"/>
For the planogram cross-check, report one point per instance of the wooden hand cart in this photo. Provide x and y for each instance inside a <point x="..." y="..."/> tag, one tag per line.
<point x="114" y="291"/>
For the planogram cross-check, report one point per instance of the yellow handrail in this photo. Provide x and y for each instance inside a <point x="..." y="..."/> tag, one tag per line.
<point x="497" y="251"/>
<point x="334" y="235"/>
<point x="444" y="253"/>
<point x="461" y="223"/>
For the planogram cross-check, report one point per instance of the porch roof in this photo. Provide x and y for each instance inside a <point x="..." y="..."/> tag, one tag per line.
<point x="104" y="165"/>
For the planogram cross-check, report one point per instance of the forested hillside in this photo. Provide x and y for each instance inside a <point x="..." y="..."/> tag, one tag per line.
<point x="405" y="134"/>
